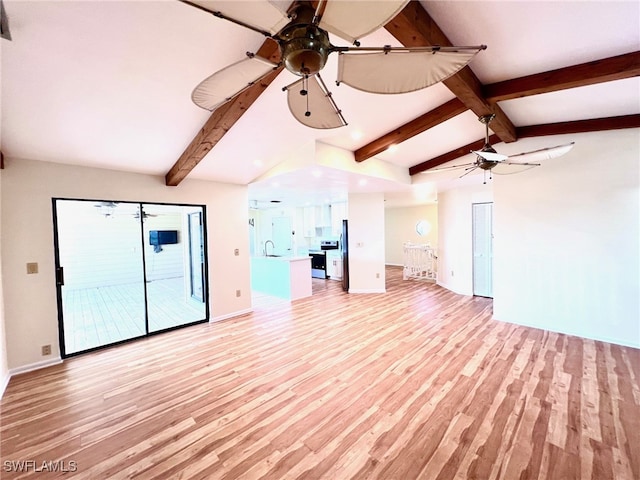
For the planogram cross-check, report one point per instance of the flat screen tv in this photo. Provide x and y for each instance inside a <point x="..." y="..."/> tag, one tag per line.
<point x="163" y="237"/>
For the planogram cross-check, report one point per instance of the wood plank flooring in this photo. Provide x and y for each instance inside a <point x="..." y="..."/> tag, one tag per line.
<point x="418" y="383"/>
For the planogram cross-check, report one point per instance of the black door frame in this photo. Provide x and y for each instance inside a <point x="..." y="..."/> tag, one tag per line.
<point x="59" y="274"/>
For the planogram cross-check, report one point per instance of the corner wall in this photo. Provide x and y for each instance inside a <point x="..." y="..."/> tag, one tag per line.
<point x="567" y="242"/>
<point x="4" y="367"/>
<point x="455" y="254"/>
<point x="27" y="236"/>
<point x="366" y="243"/>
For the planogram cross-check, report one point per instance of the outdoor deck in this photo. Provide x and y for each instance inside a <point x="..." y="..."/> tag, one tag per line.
<point x="103" y="315"/>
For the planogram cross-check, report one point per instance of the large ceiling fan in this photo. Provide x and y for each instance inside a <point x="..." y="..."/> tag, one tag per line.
<point x="488" y="160"/>
<point x="301" y="32"/>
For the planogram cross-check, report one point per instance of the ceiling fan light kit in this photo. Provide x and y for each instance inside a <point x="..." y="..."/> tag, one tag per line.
<point x="487" y="159"/>
<point x="302" y="35"/>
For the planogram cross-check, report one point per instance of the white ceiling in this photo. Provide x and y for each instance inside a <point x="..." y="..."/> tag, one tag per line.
<point x="108" y="84"/>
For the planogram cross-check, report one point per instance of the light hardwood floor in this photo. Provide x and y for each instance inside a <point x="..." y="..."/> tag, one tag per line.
<point x="418" y="383"/>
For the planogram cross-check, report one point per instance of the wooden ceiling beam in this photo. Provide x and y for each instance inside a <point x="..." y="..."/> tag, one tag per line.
<point x="589" y="73"/>
<point x="560" y="128"/>
<point x="414" y="27"/>
<point x="580" y="126"/>
<point x="222" y="119"/>
<point x="410" y="129"/>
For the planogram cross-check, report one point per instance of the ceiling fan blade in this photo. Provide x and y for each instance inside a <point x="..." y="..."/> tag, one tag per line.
<point x="353" y="20"/>
<point x="469" y="170"/>
<point x="4" y="23"/>
<point x="453" y="167"/>
<point x="508" y="168"/>
<point x="225" y="84"/>
<point x="267" y="17"/>
<point x="315" y="108"/>
<point x="543" y="153"/>
<point x="491" y="156"/>
<point x="400" y="70"/>
<point x="317" y="16"/>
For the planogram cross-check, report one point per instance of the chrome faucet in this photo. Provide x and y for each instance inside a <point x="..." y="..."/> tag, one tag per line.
<point x="265" y="247"/>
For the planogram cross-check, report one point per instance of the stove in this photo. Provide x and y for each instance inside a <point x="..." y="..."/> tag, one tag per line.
<point x="319" y="258"/>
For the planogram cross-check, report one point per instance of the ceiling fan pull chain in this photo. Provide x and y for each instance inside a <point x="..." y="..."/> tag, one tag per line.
<point x="305" y="92"/>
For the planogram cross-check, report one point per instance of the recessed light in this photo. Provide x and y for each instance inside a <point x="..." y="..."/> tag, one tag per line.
<point x="275" y="184"/>
<point x="392" y="148"/>
<point x="362" y="182"/>
<point x="316" y="173"/>
<point x="356" y="134"/>
<point x="257" y="163"/>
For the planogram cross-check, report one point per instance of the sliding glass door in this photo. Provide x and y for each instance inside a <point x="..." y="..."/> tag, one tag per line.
<point x="169" y="265"/>
<point x="126" y="270"/>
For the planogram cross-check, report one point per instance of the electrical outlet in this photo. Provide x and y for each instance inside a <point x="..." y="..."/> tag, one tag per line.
<point x="377" y="275"/>
<point x="452" y="273"/>
<point x="46" y="350"/>
<point x="32" y="268"/>
<point x="236" y="252"/>
<point x="238" y="293"/>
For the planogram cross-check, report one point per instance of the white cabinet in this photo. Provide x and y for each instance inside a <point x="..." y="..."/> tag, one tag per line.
<point x="314" y="218"/>
<point x="334" y="266"/>
<point x="323" y="216"/>
<point x="309" y="221"/>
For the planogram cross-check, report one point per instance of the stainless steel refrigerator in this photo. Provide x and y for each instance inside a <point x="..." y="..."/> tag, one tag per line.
<point x="344" y="250"/>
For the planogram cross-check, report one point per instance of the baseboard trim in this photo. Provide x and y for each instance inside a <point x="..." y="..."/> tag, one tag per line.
<point x="444" y="285"/>
<point x="34" y="366"/>
<point x="367" y="290"/>
<point x="545" y="328"/>
<point x="231" y="315"/>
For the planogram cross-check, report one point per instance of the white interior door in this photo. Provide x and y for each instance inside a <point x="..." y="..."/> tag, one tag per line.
<point x="482" y="218"/>
<point x="281" y="231"/>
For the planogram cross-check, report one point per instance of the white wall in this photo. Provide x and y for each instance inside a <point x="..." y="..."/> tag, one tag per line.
<point x="400" y="227"/>
<point x="27" y="236"/>
<point x="4" y="368"/>
<point x="366" y="243"/>
<point x="566" y="249"/>
<point x="455" y="256"/>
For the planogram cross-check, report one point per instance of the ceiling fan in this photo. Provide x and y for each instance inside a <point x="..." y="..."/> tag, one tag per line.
<point x="106" y="208"/>
<point x="144" y="214"/>
<point x="488" y="160"/>
<point x="301" y="32"/>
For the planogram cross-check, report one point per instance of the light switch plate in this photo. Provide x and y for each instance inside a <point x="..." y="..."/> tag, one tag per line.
<point x="32" y="267"/>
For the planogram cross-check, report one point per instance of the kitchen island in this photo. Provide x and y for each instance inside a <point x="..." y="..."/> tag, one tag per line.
<point x="283" y="277"/>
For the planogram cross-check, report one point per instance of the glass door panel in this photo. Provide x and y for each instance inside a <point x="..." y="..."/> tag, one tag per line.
<point x="174" y="265"/>
<point x="100" y="274"/>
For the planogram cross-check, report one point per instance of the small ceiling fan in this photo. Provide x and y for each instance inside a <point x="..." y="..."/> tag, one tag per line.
<point x="106" y="208"/>
<point x="141" y="213"/>
<point x="488" y="160"/>
<point x="301" y="32"/>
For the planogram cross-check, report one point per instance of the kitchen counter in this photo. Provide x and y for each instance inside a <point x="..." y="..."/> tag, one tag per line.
<point x="286" y="277"/>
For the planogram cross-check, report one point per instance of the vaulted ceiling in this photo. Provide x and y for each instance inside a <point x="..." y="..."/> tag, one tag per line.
<point x="108" y="84"/>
